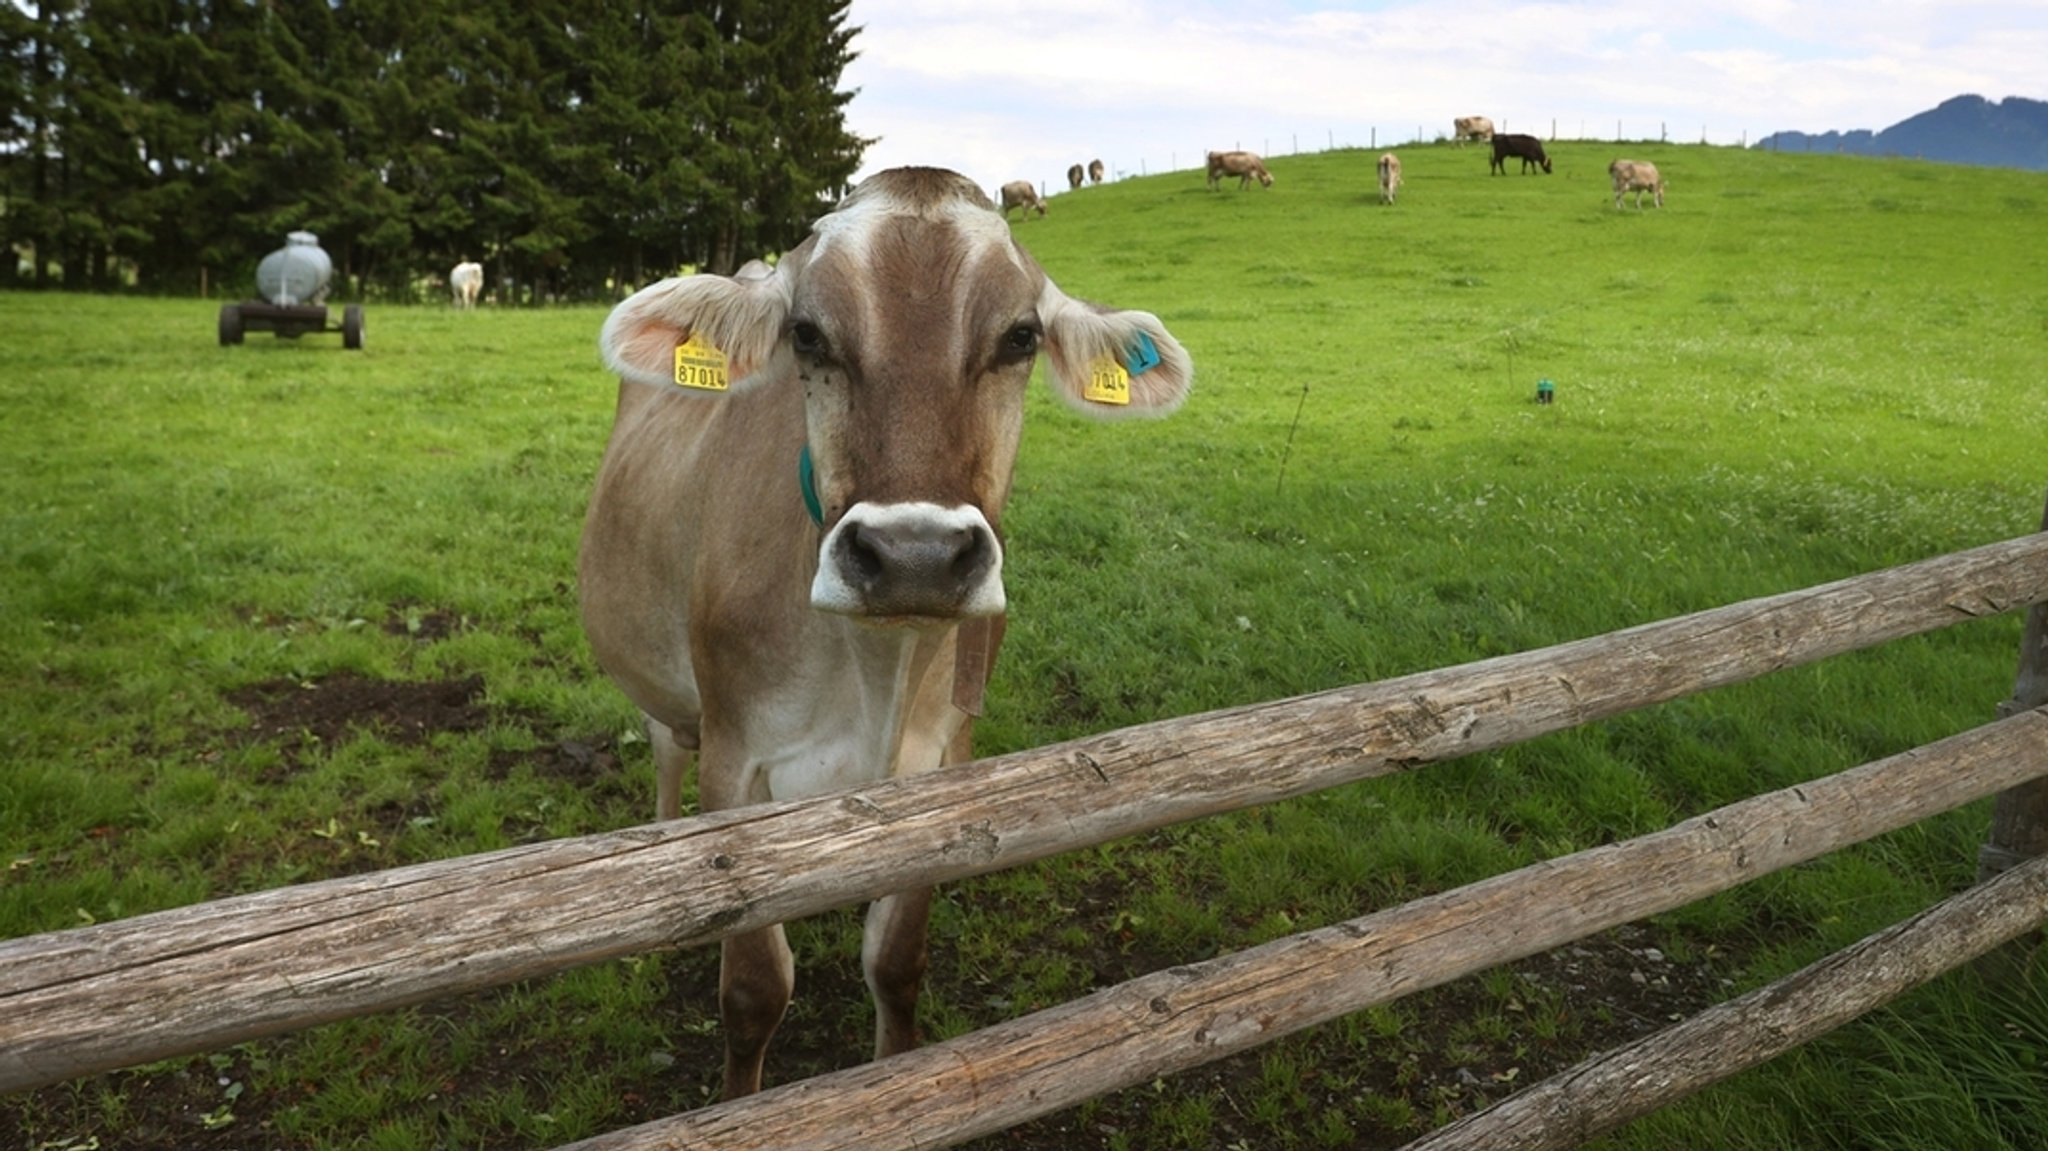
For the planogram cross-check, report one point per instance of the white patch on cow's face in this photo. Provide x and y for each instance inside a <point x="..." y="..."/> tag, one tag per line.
<point x="910" y="561"/>
<point x="849" y="225"/>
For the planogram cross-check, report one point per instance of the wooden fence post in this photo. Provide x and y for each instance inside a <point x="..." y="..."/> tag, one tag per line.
<point x="2019" y="817"/>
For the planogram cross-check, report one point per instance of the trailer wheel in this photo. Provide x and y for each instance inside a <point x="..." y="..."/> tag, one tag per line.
<point x="352" y="327"/>
<point x="230" y="325"/>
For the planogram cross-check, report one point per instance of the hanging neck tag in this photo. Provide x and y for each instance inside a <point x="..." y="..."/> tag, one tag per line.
<point x="700" y="365"/>
<point x="975" y="644"/>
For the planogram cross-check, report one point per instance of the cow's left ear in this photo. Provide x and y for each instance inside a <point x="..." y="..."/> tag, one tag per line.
<point x="1108" y="363"/>
<point x="722" y="330"/>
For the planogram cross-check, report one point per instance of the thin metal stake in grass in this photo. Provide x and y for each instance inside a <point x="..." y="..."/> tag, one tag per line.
<point x="1289" y="449"/>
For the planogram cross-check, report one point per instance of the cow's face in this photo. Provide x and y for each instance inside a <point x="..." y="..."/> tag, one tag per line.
<point x="911" y="321"/>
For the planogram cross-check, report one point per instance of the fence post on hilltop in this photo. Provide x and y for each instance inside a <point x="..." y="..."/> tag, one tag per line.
<point x="2019" y="817"/>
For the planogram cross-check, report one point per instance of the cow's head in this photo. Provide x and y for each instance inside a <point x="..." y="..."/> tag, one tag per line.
<point x="911" y="320"/>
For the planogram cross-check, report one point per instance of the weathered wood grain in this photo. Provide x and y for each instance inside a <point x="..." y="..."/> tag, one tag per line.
<point x="1610" y="1089"/>
<point x="1186" y="1016"/>
<point x="2019" y="818"/>
<point x="197" y="978"/>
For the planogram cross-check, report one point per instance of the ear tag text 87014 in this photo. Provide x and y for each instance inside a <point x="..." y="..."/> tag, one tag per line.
<point x="699" y="364"/>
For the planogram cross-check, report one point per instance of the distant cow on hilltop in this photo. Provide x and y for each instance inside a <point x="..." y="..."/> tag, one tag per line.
<point x="1246" y="166"/>
<point x="1020" y="194"/>
<point x="1636" y="176"/>
<point x="1390" y="177"/>
<point x="1526" y="148"/>
<point x="1470" y="128"/>
<point x="1073" y="177"/>
<point x="1095" y="171"/>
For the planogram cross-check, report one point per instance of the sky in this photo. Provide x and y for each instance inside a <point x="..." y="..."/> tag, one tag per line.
<point x="1002" y="90"/>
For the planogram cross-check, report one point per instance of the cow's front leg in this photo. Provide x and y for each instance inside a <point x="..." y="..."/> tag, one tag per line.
<point x="893" y="956"/>
<point x="756" y="977"/>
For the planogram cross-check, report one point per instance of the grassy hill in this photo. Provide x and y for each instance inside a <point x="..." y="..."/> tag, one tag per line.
<point x="220" y="565"/>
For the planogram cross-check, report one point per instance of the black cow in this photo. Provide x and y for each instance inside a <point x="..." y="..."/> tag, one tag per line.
<point x="1528" y="148"/>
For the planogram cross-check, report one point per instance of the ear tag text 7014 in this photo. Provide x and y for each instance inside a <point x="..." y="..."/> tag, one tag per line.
<point x="1109" y="381"/>
<point x="699" y="364"/>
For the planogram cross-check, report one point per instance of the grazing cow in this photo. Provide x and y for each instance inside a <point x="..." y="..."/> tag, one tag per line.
<point x="465" y="282"/>
<point x="1527" y="148"/>
<point x="793" y="560"/>
<point x="1244" y="165"/>
<point x="1074" y="178"/>
<point x="1390" y="176"/>
<point x="1020" y="194"/>
<point x="1095" y="171"/>
<point x="1470" y="128"/>
<point x="1636" y="176"/>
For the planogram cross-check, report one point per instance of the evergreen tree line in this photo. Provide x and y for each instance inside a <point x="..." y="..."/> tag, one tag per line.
<point x="573" y="147"/>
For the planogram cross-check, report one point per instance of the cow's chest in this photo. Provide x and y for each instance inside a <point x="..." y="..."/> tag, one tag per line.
<point x="873" y="710"/>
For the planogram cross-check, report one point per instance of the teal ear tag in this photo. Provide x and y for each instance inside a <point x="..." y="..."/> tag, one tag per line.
<point x="1142" y="356"/>
<point x="807" y="479"/>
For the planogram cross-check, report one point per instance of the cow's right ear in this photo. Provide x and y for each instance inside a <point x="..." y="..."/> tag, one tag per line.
<point x="739" y="317"/>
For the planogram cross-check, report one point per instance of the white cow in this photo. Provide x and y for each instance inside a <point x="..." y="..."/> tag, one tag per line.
<point x="466" y="282"/>
<point x="792" y="561"/>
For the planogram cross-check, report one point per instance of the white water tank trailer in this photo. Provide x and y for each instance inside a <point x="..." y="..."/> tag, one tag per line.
<point x="292" y="282"/>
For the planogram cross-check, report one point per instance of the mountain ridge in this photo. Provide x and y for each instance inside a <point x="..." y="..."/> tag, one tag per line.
<point x="1968" y="129"/>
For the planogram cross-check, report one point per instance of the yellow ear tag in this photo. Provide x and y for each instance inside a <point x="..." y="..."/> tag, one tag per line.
<point x="699" y="364"/>
<point x="1109" y="382"/>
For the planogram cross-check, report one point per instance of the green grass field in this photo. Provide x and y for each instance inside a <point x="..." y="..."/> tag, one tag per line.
<point x="218" y="566"/>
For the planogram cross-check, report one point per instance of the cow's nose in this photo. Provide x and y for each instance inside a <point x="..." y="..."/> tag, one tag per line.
<point x="916" y="554"/>
<point x="904" y="561"/>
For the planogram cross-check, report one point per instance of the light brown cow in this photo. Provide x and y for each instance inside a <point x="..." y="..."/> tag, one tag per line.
<point x="1074" y="178"/>
<point x="1244" y="165"/>
<point x="1021" y="194"/>
<point x="1390" y="176"/>
<point x="1636" y="176"/>
<point x="800" y="578"/>
<point x="1095" y="171"/>
<point x="1464" y="128"/>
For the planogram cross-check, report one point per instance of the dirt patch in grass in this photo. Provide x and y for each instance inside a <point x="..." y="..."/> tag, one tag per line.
<point x="299" y="716"/>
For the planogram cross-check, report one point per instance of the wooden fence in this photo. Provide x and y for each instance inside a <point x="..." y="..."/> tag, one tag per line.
<point x="198" y="978"/>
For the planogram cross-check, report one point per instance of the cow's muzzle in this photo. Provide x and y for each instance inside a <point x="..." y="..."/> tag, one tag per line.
<point x="910" y="560"/>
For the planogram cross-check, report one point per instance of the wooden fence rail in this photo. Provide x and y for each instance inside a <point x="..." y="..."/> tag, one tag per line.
<point x="197" y="978"/>
<point x="1183" y="1017"/>
<point x="1631" y="1081"/>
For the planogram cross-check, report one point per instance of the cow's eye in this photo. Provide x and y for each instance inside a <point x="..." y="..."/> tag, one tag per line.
<point x="805" y="337"/>
<point x="1020" y="342"/>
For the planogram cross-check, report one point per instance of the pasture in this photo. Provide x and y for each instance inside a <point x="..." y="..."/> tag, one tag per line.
<point x="276" y="613"/>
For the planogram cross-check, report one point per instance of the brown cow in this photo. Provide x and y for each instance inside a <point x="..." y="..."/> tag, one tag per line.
<point x="1244" y="165"/>
<point x="1074" y="178"/>
<point x="1475" y="128"/>
<point x="1636" y="176"/>
<point x="1021" y="194"/>
<point x="793" y="560"/>
<point x="1095" y="171"/>
<point x="1390" y="176"/>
